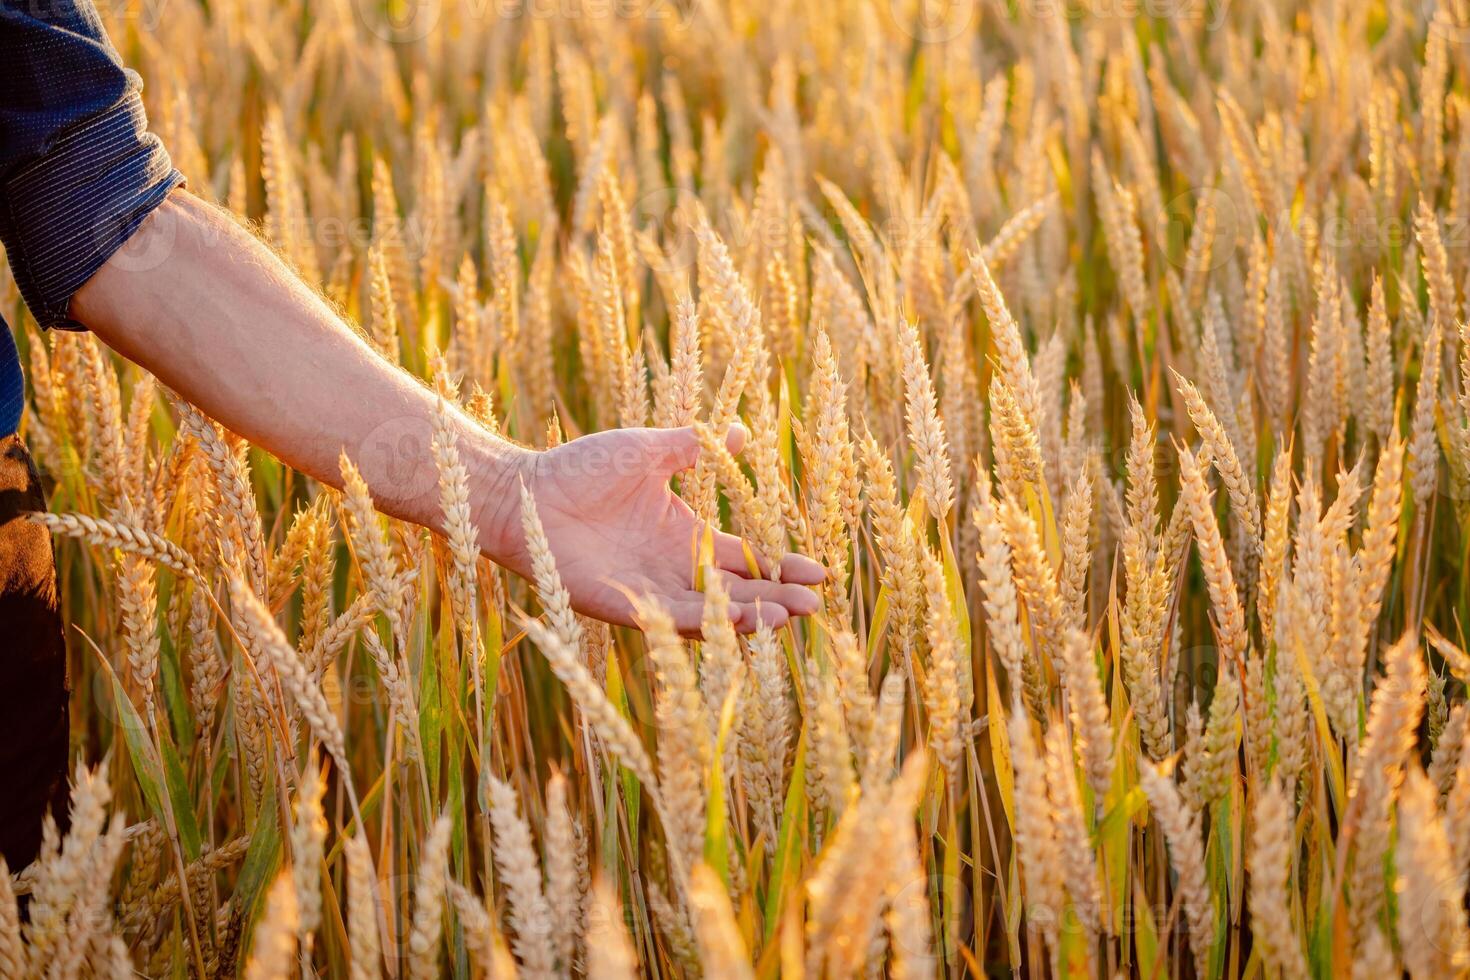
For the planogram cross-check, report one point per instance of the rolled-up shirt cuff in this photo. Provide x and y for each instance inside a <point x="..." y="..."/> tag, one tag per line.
<point x="63" y="214"/>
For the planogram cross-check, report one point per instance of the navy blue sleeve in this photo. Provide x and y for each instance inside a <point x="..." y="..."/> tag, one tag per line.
<point x="79" y="170"/>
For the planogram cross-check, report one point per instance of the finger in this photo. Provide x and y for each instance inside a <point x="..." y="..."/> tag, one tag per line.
<point x="798" y="600"/>
<point x="801" y="570"/>
<point x="687" y="612"/>
<point x="673" y="450"/>
<point x="676" y="450"/>
<point x="730" y="555"/>
<point x="735" y="438"/>
<point x="755" y="614"/>
<point x="746" y="617"/>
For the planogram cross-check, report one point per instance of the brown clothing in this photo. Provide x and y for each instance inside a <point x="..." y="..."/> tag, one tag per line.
<point x="33" y="674"/>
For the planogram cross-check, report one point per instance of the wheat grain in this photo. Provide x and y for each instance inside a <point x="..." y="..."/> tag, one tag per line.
<point x="274" y="946"/>
<point x="720" y="946"/>
<point x="1432" y="935"/>
<point x="1229" y="616"/>
<point x="1035" y="830"/>
<point x="1079" y="869"/>
<point x="767" y="731"/>
<point x="563" y="890"/>
<point x="362" y="909"/>
<point x="684" y="727"/>
<point x="515" y="862"/>
<point x="308" y="835"/>
<point x="1180" y="825"/>
<point x="603" y="717"/>
<point x="121" y="535"/>
<point x="610" y="953"/>
<point x="1271" y="847"/>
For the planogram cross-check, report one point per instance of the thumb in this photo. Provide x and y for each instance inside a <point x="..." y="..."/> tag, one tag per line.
<point x="679" y="448"/>
<point x="735" y="437"/>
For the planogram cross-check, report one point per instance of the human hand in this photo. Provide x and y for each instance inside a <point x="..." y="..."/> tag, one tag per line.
<point x="617" y="530"/>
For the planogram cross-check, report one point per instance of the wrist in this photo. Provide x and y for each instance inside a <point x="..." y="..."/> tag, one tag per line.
<point x="497" y="495"/>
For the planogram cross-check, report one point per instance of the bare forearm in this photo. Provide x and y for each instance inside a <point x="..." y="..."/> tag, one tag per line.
<point x="216" y="316"/>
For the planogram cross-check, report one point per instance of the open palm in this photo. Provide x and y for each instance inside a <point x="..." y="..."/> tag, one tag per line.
<point x="616" y="529"/>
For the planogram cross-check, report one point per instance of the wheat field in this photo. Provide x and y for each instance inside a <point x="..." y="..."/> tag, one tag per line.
<point x="1111" y="358"/>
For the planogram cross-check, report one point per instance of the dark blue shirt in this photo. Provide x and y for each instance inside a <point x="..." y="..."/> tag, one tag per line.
<point x="79" y="170"/>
